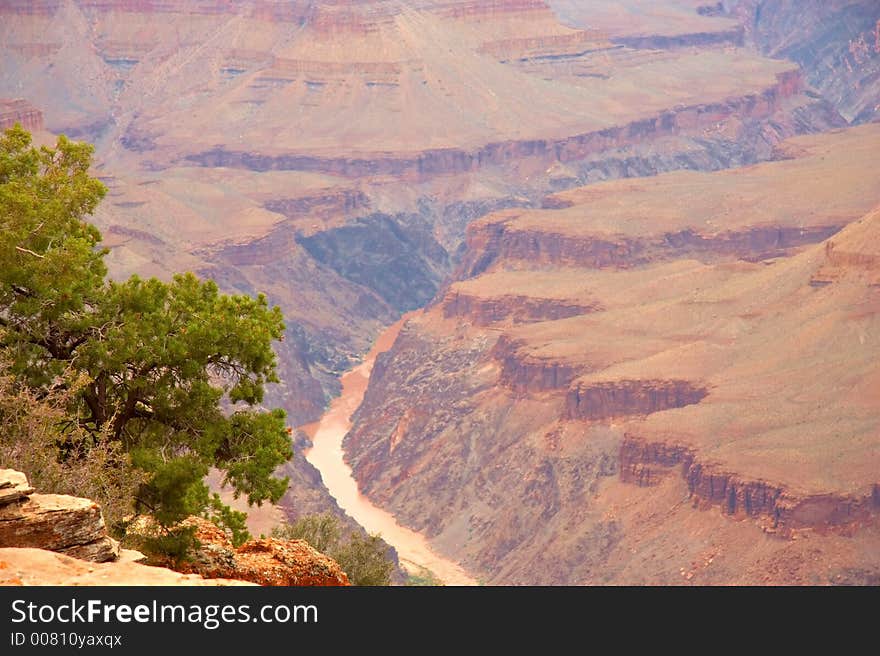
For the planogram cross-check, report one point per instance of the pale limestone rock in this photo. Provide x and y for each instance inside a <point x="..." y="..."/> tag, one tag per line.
<point x="24" y="566"/>
<point x="13" y="486"/>
<point x="51" y="521"/>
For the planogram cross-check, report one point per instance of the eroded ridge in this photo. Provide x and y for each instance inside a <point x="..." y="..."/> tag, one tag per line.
<point x="646" y="464"/>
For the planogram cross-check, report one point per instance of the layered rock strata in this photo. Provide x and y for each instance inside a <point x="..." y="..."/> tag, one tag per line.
<point x="56" y="522"/>
<point x="782" y="509"/>
<point x="20" y="111"/>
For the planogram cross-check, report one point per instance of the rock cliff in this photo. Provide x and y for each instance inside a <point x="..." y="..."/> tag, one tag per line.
<point x="777" y="508"/>
<point x="621" y="398"/>
<point x="22" y="112"/>
<point x="686" y="214"/>
<point x="837" y="43"/>
<point x="207" y="173"/>
<point x="693" y="387"/>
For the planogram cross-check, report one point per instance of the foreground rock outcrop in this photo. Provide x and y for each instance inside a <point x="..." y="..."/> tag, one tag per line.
<point x="28" y="566"/>
<point x="32" y="526"/>
<point x="264" y="561"/>
<point x="56" y="522"/>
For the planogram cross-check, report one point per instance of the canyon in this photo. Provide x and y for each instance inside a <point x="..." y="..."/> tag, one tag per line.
<point x="604" y="207"/>
<point x="422" y="121"/>
<point x="644" y="399"/>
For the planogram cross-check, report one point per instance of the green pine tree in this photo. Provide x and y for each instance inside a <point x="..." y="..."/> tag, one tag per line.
<point x="158" y="357"/>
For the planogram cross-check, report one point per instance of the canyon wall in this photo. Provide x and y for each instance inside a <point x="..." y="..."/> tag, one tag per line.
<point x="620" y="398"/>
<point x="627" y="418"/>
<point x="646" y="464"/>
<point x="489" y="242"/>
<point x="433" y="162"/>
<point x="837" y="43"/>
<point x="519" y="309"/>
<point x="22" y="112"/>
<point x="184" y="124"/>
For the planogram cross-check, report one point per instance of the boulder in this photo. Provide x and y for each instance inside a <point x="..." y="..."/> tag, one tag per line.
<point x="56" y="522"/>
<point x="50" y="521"/>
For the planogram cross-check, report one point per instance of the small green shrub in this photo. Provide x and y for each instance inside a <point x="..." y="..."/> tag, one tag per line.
<point x="363" y="558"/>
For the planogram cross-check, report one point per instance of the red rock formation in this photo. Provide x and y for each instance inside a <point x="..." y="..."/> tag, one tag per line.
<point x="358" y="18"/>
<point x="75" y="527"/>
<point x="572" y="44"/>
<point x="432" y="162"/>
<point x="328" y="202"/>
<point x="646" y="463"/>
<point x="522" y="373"/>
<point x="857" y="256"/>
<point x="266" y="561"/>
<point x="20" y="111"/>
<point x="734" y="384"/>
<point x="620" y="398"/>
<point x="517" y="309"/>
<point x="490" y="241"/>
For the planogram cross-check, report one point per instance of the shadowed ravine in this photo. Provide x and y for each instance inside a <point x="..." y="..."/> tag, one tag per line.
<point x="327" y="456"/>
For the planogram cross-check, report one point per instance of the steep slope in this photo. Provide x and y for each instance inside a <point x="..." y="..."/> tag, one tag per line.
<point x="819" y="184"/>
<point x="552" y="417"/>
<point x="837" y="43"/>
